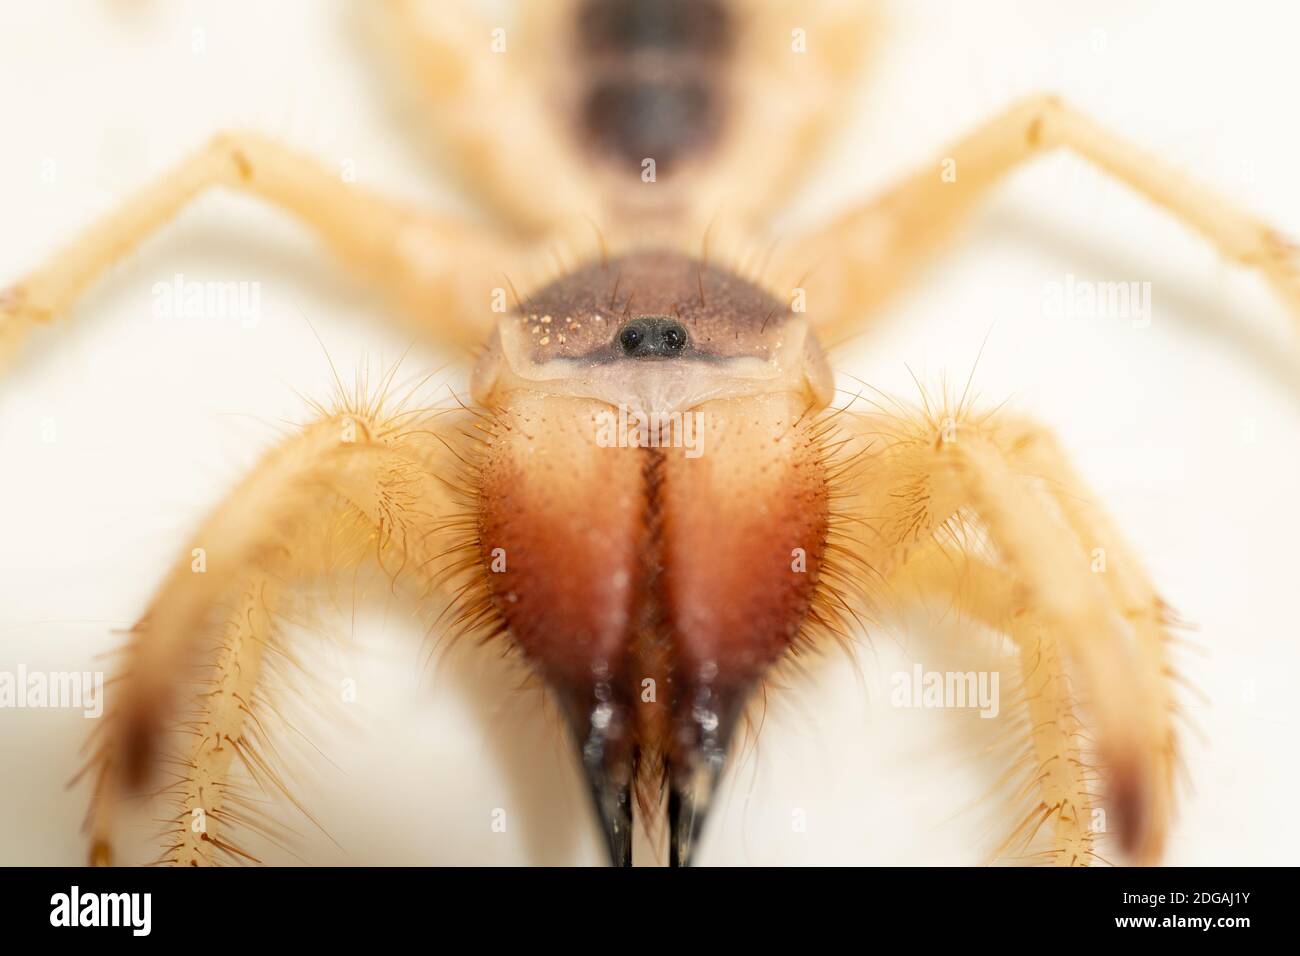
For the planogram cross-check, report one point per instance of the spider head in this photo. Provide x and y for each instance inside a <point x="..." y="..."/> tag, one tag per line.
<point x="657" y="331"/>
<point x="655" y="499"/>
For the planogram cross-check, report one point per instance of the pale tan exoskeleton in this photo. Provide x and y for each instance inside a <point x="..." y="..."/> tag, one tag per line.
<point x="677" y="128"/>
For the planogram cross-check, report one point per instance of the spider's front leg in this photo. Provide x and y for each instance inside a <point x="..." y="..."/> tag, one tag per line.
<point x="936" y="488"/>
<point x="352" y="485"/>
<point x="864" y="256"/>
<point x="438" y="270"/>
<point x="1054" y="766"/>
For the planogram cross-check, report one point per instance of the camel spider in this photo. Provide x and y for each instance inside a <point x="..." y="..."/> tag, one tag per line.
<point x="695" y="572"/>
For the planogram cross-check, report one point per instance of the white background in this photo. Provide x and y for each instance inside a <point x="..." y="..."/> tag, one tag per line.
<point x="1189" y="429"/>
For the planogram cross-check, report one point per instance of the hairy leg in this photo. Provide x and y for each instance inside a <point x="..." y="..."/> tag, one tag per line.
<point x="966" y="483"/>
<point x="865" y="255"/>
<point x="354" y="484"/>
<point x="440" y="272"/>
<point x="1054" y="773"/>
<point x="1036" y="451"/>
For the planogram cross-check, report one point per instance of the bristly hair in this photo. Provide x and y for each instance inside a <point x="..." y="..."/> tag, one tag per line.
<point x="1054" y="766"/>
<point x="209" y="678"/>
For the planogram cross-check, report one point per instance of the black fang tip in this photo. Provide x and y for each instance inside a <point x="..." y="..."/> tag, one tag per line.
<point x="713" y="717"/>
<point x="614" y="808"/>
<point x="600" y="735"/>
<point x="688" y="808"/>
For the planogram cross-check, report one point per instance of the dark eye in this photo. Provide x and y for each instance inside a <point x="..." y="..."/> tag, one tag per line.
<point x="673" y="338"/>
<point x="631" y="338"/>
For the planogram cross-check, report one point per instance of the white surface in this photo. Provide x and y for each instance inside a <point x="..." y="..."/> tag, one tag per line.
<point x="1189" y="428"/>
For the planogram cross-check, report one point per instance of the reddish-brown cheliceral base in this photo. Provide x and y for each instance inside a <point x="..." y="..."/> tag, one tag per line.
<point x="653" y="588"/>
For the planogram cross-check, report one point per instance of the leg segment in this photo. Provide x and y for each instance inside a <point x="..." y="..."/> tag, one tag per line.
<point x="870" y="251"/>
<point x="227" y="724"/>
<point x="351" y="485"/>
<point x="1054" y="771"/>
<point x="1036" y="452"/>
<point x="427" y="264"/>
<point x="974" y="485"/>
<point x="1055" y="757"/>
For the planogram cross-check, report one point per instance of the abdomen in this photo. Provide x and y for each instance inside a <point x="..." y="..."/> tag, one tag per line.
<point x="651" y="79"/>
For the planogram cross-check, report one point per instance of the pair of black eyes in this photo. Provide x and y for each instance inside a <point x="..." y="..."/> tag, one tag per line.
<point x="653" y="337"/>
